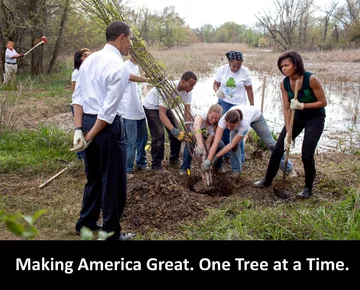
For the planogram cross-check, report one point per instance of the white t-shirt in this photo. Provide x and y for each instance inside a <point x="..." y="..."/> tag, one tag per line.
<point x="74" y="75"/>
<point x="132" y="103"/>
<point x="233" y="84"/>
<point x="250" y="114"/>
<point x="209" y="129"/>
<point x="9" y="54"/>
<point x="101" y="84"/>
<point x="153" y="99"/>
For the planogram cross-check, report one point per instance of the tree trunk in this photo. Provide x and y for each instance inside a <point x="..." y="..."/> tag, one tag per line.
<point x="38" y="20"/>
<point x="59" y="38"/>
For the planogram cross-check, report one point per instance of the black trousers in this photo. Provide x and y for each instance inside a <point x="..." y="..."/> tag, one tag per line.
<point x="105" y="167"/>
<point x="156" y="128"/>
<point x="314" y="127"/>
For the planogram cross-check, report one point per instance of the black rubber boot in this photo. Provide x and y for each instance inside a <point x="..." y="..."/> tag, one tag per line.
<point x="305" y="193"/>
<point x="262" y="183"/>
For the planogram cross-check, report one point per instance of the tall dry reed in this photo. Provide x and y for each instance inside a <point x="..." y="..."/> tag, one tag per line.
<point x="199" y="58"/>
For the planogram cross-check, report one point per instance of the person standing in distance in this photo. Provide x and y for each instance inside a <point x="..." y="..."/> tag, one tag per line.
<point x="11" y="64"/>
<point x="100" y="131"/>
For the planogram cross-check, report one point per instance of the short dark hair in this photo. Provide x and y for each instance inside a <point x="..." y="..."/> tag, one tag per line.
<point x="188" y="75"/>
<point x="234" y="116"/>
<point x="115" y="29"/>
<point x="295" y="58"/>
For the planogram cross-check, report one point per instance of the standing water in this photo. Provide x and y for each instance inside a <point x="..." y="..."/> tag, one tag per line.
<point x="341" y="124"/>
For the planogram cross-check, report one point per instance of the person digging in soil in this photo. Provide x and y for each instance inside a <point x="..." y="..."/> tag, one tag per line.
<point x="205" y="124"/>
<point x="309" y="115"/>
<point x="159" y="114"/>
<point x="238" y="120"/>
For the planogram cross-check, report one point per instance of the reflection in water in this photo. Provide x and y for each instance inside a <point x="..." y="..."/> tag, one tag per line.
<point x="341" y="123"/>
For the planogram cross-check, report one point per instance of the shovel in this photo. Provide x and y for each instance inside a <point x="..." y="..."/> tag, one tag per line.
<point x="282" y="189"/>
<point x="290" y="128"/>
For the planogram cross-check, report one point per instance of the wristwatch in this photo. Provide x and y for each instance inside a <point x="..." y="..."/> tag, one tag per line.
<point x="79" y="128"/>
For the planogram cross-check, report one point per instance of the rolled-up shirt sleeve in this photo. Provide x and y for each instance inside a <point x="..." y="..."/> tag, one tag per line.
<point x="116" y="81"/>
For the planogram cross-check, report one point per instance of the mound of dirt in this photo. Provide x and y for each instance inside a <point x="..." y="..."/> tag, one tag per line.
<point x="163" y="199"/>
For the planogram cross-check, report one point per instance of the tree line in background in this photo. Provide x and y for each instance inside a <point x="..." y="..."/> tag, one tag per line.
<point x="70" y="25"/>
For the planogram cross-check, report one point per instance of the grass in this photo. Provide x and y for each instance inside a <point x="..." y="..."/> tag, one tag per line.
<point x="33" y="150"/>
<point x="242" y="220"/>
<point x="200" y="58"/>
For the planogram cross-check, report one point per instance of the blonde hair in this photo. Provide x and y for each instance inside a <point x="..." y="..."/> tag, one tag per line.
<point x="216" y="108"/>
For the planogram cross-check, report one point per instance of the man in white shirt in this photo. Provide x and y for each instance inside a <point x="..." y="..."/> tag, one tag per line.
<point x="10" y="64"/>
<point x="135" y="122"/>
<point x="159" y="114"/>
<point x="100" y="131"/>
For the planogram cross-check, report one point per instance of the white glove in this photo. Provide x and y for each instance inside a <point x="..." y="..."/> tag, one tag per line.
<point x="79" y="142"/>
<point x="200" y="150"/>
<point x="286" y="143"/>
<point x="78" y="138"/>
<point x="296" y="105"/>
<point x="220" y="94"/>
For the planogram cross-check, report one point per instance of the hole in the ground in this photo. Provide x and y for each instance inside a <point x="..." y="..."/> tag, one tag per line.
<point x="219" y="186"/>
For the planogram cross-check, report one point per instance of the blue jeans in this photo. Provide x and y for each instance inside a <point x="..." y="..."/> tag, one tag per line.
<point x="261" y="128"/>
<point x="186" y="164"/>
<point x="226" y="135"/>
<point x="137" y="138"/>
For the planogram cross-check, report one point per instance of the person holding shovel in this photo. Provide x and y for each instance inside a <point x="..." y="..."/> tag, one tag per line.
<point x="10" y="66"/>
<point x="309" y="116"/>
<point x="205" y="124"/>
<point x="238" y="120"/>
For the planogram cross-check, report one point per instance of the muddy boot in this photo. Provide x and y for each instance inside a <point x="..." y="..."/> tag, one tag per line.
<point x="305" y="193"/>
<point x="262" y="183"/>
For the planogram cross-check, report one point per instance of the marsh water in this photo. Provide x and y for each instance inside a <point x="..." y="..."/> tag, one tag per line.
<point x="342" y="122"/>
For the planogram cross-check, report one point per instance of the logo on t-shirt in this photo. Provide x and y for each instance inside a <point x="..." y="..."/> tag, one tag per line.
<point x="230" y="84"/>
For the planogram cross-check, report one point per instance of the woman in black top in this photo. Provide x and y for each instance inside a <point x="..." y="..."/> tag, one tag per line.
<point x="309" y="115"/>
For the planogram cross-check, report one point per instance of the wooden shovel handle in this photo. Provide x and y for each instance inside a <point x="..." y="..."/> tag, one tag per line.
<point x="291" y="127"/>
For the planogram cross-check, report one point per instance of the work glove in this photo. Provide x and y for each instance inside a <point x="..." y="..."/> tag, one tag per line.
<point x="177" y="133"/>
<point x="200" y="150"/>
<point x="296" y="105"/>
<point x="220" y="94"/>
<point x="79" y="143"/>
<point x="286" y="143"/>
<point x="205" y="166"/>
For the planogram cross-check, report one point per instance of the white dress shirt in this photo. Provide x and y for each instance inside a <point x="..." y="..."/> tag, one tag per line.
<point x="132" y="102"/>
<point x="101" y="84"/>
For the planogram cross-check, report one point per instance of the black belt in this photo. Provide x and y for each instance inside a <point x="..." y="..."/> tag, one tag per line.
<point x="11" y="63"/>
<point x="92" y="115"/>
